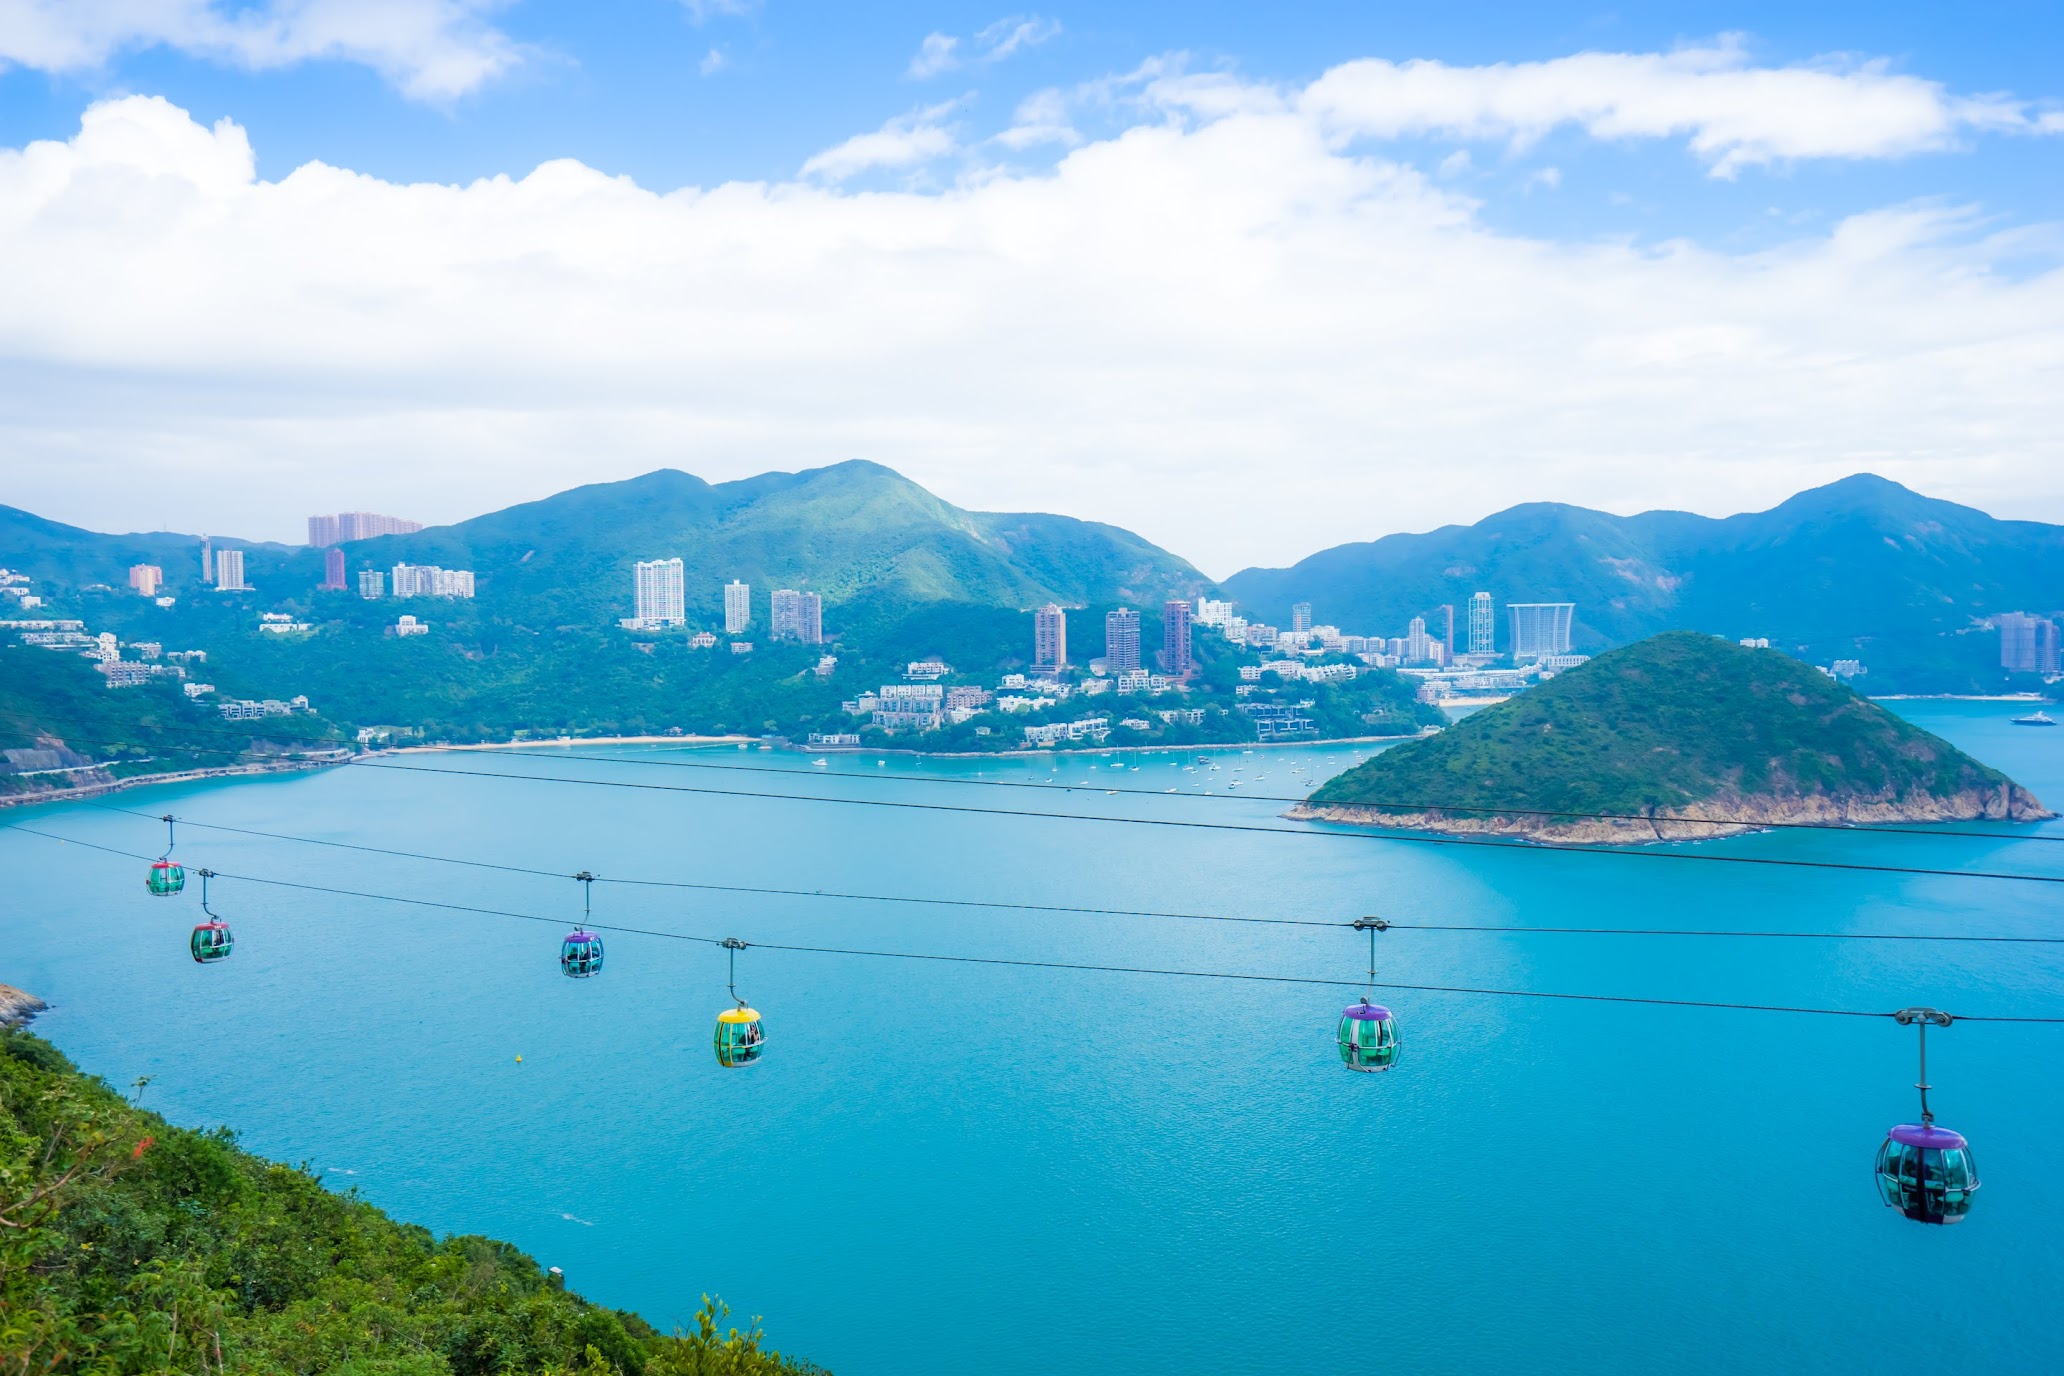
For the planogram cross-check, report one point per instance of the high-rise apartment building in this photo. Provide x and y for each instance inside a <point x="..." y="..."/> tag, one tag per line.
<point x="356" y="525"/>
<point x="333" y="570"/>
<point x="1540" y="629"/>
<point x="737" y="607"/>
<point x="229" y="571"/>
<point x="1300" y="616"/>
<point x="207" y="561"/>
<point x="661" y="592"/>
<point x="1483" y="626"/>
<point x="1418" y="644"/>
<point x="797" y="616"/>
<point x="428" y="580"/>
<point x="2028" y="644"/>
<point x="1448" y="629"/>
<point x="1050" y="637"/>
<point x="145" y="578"/>
<point x="372" y="584"/>
<point x="1121" y="640"/>
<point x="1175" y="638"/>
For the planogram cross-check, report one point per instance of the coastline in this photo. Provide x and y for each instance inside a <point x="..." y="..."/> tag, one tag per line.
<point x="111" y="785"/>
<point x="1098" y="750"/>
<point x="17" y="1007"/>
<point x="2011" y="803"/>
<point x="569" y="740"/>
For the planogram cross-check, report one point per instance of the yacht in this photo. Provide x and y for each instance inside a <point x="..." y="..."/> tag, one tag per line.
<point x="2035" y="719"/>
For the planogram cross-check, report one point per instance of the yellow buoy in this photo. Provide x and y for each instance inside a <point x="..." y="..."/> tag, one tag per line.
<point x="519" y="1060"/>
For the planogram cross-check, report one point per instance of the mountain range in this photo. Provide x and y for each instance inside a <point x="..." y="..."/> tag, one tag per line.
<point x="1860" y="568"/>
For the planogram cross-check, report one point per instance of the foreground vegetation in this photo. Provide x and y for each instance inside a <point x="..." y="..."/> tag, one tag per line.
<point x="129" y="1245"/>
<point x="1673" y="722"/>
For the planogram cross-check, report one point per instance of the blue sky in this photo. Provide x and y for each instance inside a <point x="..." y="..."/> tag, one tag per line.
<point x="1622" y="211"/>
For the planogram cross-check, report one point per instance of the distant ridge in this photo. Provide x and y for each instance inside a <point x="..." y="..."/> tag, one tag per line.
<point x="1677" y="725"/>
<point x="1860" y="568"/>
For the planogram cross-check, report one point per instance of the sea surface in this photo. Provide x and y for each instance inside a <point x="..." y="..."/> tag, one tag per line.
<point x="950" y="1167"/>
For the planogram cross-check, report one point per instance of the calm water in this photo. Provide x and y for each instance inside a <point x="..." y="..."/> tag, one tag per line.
<point x="951" y="1168"/>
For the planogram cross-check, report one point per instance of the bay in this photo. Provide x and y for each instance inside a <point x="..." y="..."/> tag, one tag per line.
<point x="944" y="1167"/>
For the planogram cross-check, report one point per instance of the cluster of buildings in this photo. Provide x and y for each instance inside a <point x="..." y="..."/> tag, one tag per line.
<point x="2029" y="644"/>
<point x="414" y="580"/>
<point x="659" y="600"/>
<point x="346" y="526"/>
<point x="1122" y="648"/>
<point x="16" y="586"/>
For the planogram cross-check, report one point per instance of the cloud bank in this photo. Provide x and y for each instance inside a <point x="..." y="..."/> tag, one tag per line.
<point x="1229" y="326"/>
<point x="433" y="50"/>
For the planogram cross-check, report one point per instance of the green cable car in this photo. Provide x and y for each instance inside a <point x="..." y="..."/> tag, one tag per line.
<point x="1368" y="1034"/>
<point x="211" y="941"/>
<point x="740" y="1039"/>
<point x="167" y="876"/>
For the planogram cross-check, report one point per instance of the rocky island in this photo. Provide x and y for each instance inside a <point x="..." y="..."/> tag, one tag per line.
<point x="1653" y="741"/>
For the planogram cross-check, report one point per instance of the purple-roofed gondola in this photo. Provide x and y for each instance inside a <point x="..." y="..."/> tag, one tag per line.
<point x="1368" y="1033"/>
<point x="580" y="951"/>
<point x="1926" y="1172"/>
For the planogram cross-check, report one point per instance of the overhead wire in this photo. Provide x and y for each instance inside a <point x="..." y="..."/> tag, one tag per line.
<point x="1070" y="965"/>
<point x="1077" y="910"/>
<point x="1862" y="828"/>
<point x="1391" y="837"/>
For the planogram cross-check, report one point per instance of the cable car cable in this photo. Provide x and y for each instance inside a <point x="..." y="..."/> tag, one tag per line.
<point x="1103" y="969"/>
<point x="1386" y="836"/>
<point x="1873" y="828"/>
<point x="763" y="891"/>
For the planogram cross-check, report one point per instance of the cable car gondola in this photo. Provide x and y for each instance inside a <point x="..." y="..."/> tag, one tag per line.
<point x="211" y="940"/>
<point x="1368" y="1033"/>
<point x="167" y="876"/>
<point x="740" y="1038"/>
<point x="1926" y="1172"/>
<point x="580" y="952"/>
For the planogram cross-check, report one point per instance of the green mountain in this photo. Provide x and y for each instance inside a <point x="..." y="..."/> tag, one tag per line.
<point x="1861" y="568"/>
<point x="1677" y="725"/>
<point x="131" y="1245"/>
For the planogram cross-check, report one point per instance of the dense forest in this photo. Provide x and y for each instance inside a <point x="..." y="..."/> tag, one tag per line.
<point x="128" y="1245"/>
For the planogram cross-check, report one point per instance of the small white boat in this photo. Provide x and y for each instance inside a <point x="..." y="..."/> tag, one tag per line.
<point x="2036" y="719"/>
<point x="820" y="763"/>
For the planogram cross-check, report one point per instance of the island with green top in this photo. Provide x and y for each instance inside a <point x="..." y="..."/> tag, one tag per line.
<point x="1655" y="740"/>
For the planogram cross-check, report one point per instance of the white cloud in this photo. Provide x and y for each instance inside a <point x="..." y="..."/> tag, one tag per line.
<point x="935" y="55"/>
<point x="433" y="50"/>
<point x="1232" y="334"/>
<point x="904" y="141"/>
<point x="713" y="62"/>
<point x="702" y="11"/>
<point x="1733" y="114"/>
<point x="943" y="53"/>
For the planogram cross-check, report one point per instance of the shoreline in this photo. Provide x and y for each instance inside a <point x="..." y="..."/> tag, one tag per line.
<point x="77" y="792"/>
<point x="18" y="1008"/>
<point x="568" y="740"/>
<point x="1098" y="750"/>
<point x="1957" y="697"/>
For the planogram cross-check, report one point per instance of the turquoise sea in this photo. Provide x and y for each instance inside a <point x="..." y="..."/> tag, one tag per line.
<point x="948" y="1168"/>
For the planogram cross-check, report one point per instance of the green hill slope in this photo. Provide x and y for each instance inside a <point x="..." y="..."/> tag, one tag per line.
<point x="1863" y="567"/>
<point x="1680" y="724"/>
<point x="130" y="1245"/>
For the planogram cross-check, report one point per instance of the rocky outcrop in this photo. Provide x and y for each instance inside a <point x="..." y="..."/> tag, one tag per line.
<point x="1722" y="815"/>
<point x="16" y="1008"/>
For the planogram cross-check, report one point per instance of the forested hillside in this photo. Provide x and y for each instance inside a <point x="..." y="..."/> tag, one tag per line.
<point x="1680" y="724"/>
<point x="128" y="1245"/>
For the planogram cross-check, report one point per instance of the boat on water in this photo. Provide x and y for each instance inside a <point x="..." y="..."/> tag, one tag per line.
<point x="2036" y="719"/>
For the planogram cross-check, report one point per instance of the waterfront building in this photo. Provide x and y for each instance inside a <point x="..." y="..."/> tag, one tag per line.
<point x="1300" y="616"/>
<point x="1540" y="629"/>
<point x="797" y="616"/>
<point x="2028" y="644"/>
<point x="737" y="607"/>
<point x="659" y="593"/>
<point x="1483" y="626"/>
<point x="333" y="570"/>
<point x="229" y="571"/>
<point x="145" y="578"/>
<point x="1122" y="640"/>
<point x="1050" y="637"/>
<point x="372" y="584"/>
<point x="909" y="707"/>
<point x="1175" y="638"/>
